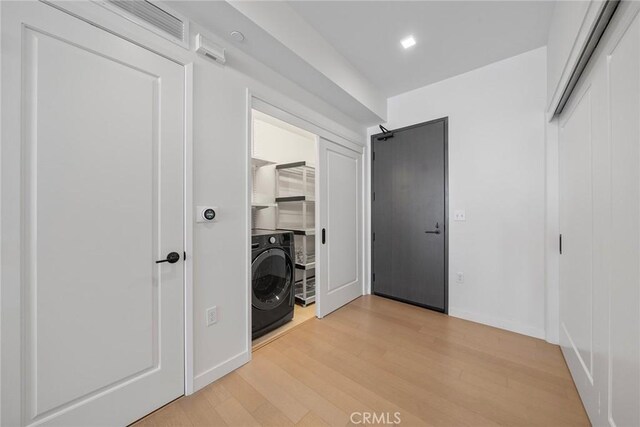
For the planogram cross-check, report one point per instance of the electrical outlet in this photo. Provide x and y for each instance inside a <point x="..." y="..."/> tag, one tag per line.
<point x="459" y="215"/>
<point x="460" y="277"/>
<point x="212" y="315"/>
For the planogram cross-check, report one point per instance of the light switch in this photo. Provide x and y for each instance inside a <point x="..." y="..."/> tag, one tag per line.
<point x="459" y="215"/>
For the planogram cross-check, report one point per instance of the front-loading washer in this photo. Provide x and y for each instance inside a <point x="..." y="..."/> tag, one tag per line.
<point x="272" y="280"/>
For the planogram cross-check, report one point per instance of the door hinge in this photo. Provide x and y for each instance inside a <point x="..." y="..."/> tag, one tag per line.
<point x="560" y="243"/>
<point x="374" y="156"/>
<point x="185" y="256"/>
<point x="374" y="277"/>
<point x="374" y="237"/>
<point x="374" y="196"/>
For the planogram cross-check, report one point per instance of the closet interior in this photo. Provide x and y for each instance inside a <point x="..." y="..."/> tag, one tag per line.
<point x="283" y="213"/>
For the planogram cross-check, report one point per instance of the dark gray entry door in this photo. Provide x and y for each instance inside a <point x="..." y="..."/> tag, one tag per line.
<point x="409" y="214"/>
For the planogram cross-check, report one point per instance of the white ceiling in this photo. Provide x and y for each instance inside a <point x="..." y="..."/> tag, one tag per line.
<point x="452" y="37"/>
<point x="220" y="18"/>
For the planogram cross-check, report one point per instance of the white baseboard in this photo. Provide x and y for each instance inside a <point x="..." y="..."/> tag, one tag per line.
<point x="219" y="371"/>
<point x="505" y="324"/>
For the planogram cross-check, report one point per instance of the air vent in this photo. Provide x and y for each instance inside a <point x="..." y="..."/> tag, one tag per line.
<point x="153" y="17"/>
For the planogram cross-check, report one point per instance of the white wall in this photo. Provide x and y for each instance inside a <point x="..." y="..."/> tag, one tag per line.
<point x="280" y="142"/>
<point x="497" y="174"/>
<point x="221" y="178"/>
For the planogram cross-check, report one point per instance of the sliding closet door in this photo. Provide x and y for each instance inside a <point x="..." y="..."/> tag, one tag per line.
<point x="579" y="249"/>
<point x="599" y="141"/>
<point x="340" y="222"/>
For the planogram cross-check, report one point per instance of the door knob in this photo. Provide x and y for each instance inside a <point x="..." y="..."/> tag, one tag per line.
<point x="172" y="258"/>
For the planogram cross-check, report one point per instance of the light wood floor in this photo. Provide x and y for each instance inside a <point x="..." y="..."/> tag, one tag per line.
<point x="378" y="355"/>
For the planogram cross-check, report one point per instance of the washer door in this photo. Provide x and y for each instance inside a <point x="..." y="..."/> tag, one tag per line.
<point x="272" y="278"/>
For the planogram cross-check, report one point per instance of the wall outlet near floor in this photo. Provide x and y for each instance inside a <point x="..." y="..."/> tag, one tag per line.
<point x="460" y="277"/>
<point x="459" y="215"/>
<point x="212" y="315"/>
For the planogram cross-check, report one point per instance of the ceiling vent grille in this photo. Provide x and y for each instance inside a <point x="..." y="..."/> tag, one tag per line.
<point x="153" y="17"/>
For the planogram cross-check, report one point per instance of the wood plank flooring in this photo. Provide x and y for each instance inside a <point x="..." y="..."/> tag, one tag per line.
<point x="383" y="357"/>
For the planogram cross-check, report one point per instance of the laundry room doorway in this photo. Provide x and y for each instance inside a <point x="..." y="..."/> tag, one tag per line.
<point x="306" y="223"/>
<point x="283" y="226"/>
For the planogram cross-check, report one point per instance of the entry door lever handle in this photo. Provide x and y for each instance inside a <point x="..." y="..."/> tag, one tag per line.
<point x="436" y="231"/>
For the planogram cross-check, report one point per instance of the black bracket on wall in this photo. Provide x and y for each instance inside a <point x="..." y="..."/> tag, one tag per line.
<point x="386" y="134"/>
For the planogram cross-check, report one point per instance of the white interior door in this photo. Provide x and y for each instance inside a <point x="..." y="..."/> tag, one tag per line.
<point x="340" y="225"/>
<point x="600" y="226"/>
<point x="100" y="148"/>
<point x="577" y="224"/>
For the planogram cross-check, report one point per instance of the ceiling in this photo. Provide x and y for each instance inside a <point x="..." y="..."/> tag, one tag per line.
<point x="220" y="18"/>
<point x="453" y="37"/>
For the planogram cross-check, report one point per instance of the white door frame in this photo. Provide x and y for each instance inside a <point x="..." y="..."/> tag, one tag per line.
<point x="10" y="286"/>
<point x="274" y="109"/>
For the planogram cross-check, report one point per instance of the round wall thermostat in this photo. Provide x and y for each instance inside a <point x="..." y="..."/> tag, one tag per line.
<point x="209" y="214"/>
<point x="206" y="214"/>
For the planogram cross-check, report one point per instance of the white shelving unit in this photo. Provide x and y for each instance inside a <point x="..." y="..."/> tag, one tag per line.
<point x="295" y="197"/>
<point x="295" y="213"/>
<point x="306" y="291"/>
<point x="257" y="162"/>
<point x="305" y="250"/>
<point x="296" y="180"/>
<point x="262" y="205"/>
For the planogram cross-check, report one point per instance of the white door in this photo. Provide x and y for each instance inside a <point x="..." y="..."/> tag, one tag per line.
<point x="576" y="225"/>
<point x="340" y="204"/>
<point x="600" y="225"/>
<point x="99" y="145"/>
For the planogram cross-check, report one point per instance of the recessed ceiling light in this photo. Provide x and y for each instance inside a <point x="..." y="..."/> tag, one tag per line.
<point x="237" y="35"/>
<point x="408" y="42"/>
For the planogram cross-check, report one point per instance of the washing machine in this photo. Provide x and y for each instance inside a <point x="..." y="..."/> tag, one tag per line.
<point x="272" y="280"/>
